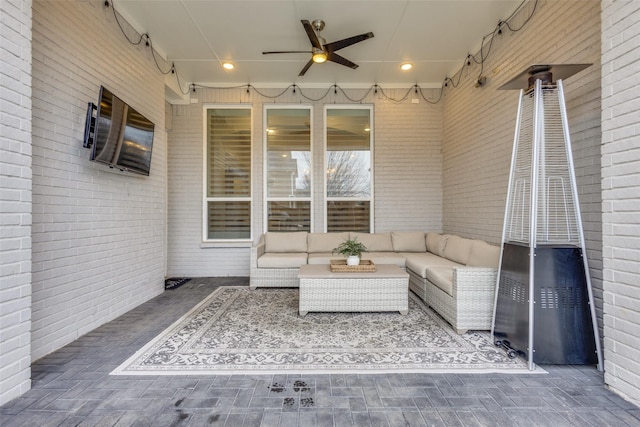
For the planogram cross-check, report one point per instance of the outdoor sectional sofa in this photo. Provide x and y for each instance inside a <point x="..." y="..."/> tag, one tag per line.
<point x="454" y="275"/>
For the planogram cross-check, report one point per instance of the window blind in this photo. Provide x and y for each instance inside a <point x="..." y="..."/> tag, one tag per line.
<point x="288" y="166"/>
<point x="229" y="220"/>
<point x="348" y="169"/>
<point x="289" y="216"/>
<point x="228" y="174"/>
<point x="348" y="216"/>
<point x="229" y="153"/>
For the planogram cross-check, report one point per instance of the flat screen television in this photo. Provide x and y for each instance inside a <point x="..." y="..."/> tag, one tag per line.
<point x="118" y="135"/>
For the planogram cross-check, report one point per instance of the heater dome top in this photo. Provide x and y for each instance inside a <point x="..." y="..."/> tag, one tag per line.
<point x="554" y="72"/>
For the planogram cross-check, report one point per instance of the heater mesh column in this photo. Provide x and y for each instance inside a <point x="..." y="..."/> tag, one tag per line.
<point x="544" y="303"/>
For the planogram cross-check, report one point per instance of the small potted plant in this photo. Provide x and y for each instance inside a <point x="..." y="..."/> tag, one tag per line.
<point x="352" y="249"/>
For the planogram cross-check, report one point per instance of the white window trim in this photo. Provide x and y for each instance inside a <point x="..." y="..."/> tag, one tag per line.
<point x="370" y="199"/>
<point x="206" y="242"/>
<point x="266" y="198"/>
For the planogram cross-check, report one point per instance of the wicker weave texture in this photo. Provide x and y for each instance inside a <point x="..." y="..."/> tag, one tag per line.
<point x="274" y="278"/>
<point x="418" y="285"/>
<point x="340" y="265"/>
<point x="354" y="295"/>
<point x="471" y="305"/>
<point x="270" y="277"/>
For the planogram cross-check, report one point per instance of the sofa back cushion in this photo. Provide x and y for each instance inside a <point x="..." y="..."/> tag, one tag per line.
<point x="408" y="241"/>
<point x="436" y="243"/>
<point x="483" y="255"/>
<point x="325" y="242"/>
<point x="457" y="249"/>
<point x="285" y="242"/>
<point x="375" y="242"/>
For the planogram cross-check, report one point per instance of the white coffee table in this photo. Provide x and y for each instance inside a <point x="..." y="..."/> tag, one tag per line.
<point x="386" y="289"/>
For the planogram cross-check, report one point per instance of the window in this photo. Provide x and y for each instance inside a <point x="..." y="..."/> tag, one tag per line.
<point x="288" y="168"/>
<point x="227" y="199"/>
<point x="349" y="173"/>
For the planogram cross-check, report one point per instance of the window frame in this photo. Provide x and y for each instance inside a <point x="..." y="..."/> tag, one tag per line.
<point x="325" y="198"/>
<point x="265" y="177"/>
<point x="235" y="242"/>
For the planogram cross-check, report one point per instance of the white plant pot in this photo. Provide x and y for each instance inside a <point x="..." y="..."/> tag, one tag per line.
<point x="353" y="260"/>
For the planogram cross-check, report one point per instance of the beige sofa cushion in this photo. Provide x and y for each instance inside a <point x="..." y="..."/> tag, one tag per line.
<point x="282" y="260"/>
<point x="408" y="241"/>
<point x="325" y="242"/>
<point x="436" y="243"/>
<point x="419" y="263"/>
<point x="385" y="258"/>
<point x="441" y="277"/>
<point x="375" y="242"/>
<point x="483" y="255"/>
<point x="322" y="257"/>
<point x="458" y="249"/>
<point x="285" y="242"/>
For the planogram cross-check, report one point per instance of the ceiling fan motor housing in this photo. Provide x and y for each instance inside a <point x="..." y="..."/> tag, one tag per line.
<point x="318" y="25"/>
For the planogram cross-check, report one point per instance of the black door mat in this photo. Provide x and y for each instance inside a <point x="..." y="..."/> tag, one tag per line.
<point x="174" y="282"/>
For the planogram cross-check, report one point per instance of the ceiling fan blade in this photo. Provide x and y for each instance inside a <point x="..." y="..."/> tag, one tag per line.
<point x="340" y="44"/>
<point x="313" y="37"/>
<point x="334" y="57"/>
<point x="306" y="67"/>
<point x="287" y="51"/>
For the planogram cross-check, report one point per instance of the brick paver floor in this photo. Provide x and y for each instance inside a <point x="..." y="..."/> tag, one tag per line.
<point x="72" y="387"/>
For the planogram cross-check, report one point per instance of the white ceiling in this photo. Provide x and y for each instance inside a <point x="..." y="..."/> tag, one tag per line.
<point x="198" y="35"/>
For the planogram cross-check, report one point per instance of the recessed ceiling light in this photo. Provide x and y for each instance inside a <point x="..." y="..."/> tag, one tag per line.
<point x="228" y="66"/>
<point x="406" y="66"/>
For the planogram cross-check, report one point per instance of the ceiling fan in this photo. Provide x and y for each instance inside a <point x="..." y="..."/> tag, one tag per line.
<point x="322" y="51"/>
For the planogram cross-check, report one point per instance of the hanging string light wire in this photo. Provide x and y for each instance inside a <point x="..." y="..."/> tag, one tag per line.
<point x="487" y="43"/>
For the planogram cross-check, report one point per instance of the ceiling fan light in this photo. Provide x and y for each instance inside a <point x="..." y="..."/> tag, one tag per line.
<point x="319" y="57"/>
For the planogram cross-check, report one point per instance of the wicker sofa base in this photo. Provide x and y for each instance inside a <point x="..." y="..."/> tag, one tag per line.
<point x="471" y="305"/>
<point x="274" y="278"/>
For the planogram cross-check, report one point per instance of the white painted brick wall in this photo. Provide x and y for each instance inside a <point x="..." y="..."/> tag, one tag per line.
<point x="407" y="172"/>
<point x="479" y="125"/>
<point x="15" y="199"/>
<point x="620" y="190"/>
<point x="98" y="237"/>
<point x="408" y="166"/>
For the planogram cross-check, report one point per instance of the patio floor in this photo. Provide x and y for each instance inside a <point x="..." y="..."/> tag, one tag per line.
<point x="72" y="387"/>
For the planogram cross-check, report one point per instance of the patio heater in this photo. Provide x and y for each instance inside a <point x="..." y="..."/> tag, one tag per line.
<point x="544" y="308"/>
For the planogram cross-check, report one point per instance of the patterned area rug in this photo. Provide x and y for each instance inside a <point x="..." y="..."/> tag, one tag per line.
<point x="239" y="331"/>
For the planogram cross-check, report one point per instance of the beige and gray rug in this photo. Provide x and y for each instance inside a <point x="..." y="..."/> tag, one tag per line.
<point x="239" y="331"/>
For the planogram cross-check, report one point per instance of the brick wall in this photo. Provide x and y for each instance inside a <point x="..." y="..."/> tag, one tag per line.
<point x="620" y="191"/>
<point x="407" y="168"/>
<point x="15" y="199"/>
<point x="98" y="236"/>
<point x="479" y="124"/>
